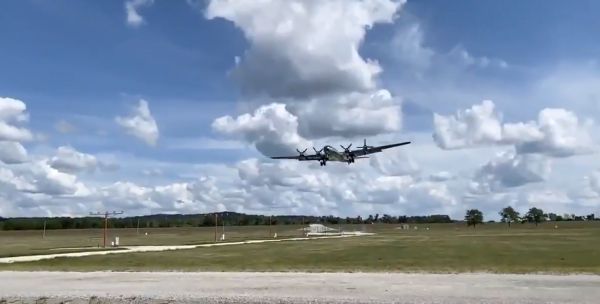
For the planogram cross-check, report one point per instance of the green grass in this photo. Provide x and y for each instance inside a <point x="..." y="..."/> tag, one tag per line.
<point x="573" y="247"/>
<point x="17" y="243"/>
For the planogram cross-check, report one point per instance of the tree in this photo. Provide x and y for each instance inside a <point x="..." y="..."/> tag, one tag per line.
<point x="474" y="217"/>
<point x="535" y="215"/>
<point x="509" y="215"/>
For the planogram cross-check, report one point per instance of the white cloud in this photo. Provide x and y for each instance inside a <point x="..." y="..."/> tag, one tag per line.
<point x="441" y="176"/>
<point x="556" y="133"/>
<point x="310" y="47"/>
<point x="134" y="19"/>
<point x="69" y="160"/>
<point x="349" y="115"/>
<point x="394" y="162"/>
<point x="479" y="125"/>
<point x="141" y="124"/>
<point x="563" y="135"/>
<point x="12" y="111"/>
<point x="40" y="178"/>
<point x="460" y="54"/>
<point x="12" y="152"/>
<point x="64" y="127"/>
<point x="9" y="181"/>
<point x="508" y="170"/>
<point x="271" y="128"/>
<point x="299" y="187"/>
<point x="204" y="143"/>
<point x="408" y="47"/>
<point x="594" y="181"/>
<point x="573" y="83"/>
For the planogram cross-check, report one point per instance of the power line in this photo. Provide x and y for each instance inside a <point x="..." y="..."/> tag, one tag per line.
<point x="106" y="215"/>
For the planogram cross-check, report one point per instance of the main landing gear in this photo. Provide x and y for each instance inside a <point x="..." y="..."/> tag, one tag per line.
<point x="323" y="162"/>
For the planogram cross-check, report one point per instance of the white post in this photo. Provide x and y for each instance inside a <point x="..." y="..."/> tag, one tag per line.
<point x="44" y="235"/>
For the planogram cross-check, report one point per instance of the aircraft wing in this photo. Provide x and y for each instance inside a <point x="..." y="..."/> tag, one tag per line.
<point x="371" y="150"/>
<point x="299" y="157"/>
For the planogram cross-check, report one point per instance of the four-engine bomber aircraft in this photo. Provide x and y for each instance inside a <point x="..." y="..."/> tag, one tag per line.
<point x="329" y="153"/>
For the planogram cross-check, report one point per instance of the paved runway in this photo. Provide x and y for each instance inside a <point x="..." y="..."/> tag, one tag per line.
<point x="232" y="287"/>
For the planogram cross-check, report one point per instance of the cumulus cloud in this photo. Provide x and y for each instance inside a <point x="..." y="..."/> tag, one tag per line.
<point x="69" y="160"/>
<point x="509" y="169"/>
<point x="354" y="114"/>
<point x="441" y="176"/>
<point x="562" y="135"/>
<point x="134" y="19"/>
<point x="40" y="178"/>
<point x="298" y="187"/>
<point x="141" y="124"/>
<point x="314" y="67"/>
<point x="12" y="113"/>
<point x="310" y="47"/>
<point x="478" y="125"/>
<point x="594" y="181"/>
<point x="12" y="152"/>
<point x="394" y="162"/>
<point x="10" y="181"/>
<point x="271" y="128"/>
<point x="557" y="132"/>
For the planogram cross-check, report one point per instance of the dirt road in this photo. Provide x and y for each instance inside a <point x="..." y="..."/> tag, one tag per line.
<point x="231" y="287"/>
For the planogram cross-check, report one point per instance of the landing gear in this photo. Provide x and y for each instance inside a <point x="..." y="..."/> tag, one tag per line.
<point x="323" y="162"/>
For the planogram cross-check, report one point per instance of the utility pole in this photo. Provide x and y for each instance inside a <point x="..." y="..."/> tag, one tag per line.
<point x="106" y="215"/>
<point x="216" y="226"/>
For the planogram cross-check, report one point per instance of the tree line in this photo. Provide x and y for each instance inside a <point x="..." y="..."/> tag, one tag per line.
<point x="205" y="220"/>
<point x="473" y="217"/>
<point x="509" y="215"/>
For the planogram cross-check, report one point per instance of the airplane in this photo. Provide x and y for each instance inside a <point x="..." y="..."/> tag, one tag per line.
<point x="329" y="153"/>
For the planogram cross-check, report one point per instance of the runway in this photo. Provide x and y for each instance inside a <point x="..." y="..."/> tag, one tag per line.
<point x="248" y="287"/>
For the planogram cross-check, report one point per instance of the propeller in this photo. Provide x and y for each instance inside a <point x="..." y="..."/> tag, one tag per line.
<point x="346" y="149"/>
<point x="318" y="152"/>
<point x="365" y="147"/>
<point x="301" y="152"/>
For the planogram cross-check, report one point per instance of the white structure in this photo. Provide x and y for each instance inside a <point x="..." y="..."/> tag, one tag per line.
<point x="318" y="229"/>
<point x="404" y="227"/>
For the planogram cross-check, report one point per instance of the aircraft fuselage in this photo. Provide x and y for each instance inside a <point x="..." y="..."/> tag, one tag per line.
<point x="331" y="154"/>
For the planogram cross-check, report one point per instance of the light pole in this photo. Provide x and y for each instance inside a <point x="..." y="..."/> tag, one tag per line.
<point x="216" y="226"/>
<point x="106" y="215"/>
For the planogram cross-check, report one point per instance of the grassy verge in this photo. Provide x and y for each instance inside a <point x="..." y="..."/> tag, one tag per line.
<point x="443" y="248"/>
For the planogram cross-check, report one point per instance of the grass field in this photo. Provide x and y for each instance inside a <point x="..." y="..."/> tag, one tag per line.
<point x="16" y="243"/>
<point x="573" y="247"/>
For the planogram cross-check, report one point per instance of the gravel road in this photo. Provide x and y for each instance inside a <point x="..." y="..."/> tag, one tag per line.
<point x="235" y="287"/>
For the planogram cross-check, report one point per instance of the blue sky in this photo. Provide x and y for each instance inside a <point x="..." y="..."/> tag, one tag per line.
<point x="82" y="64"/>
